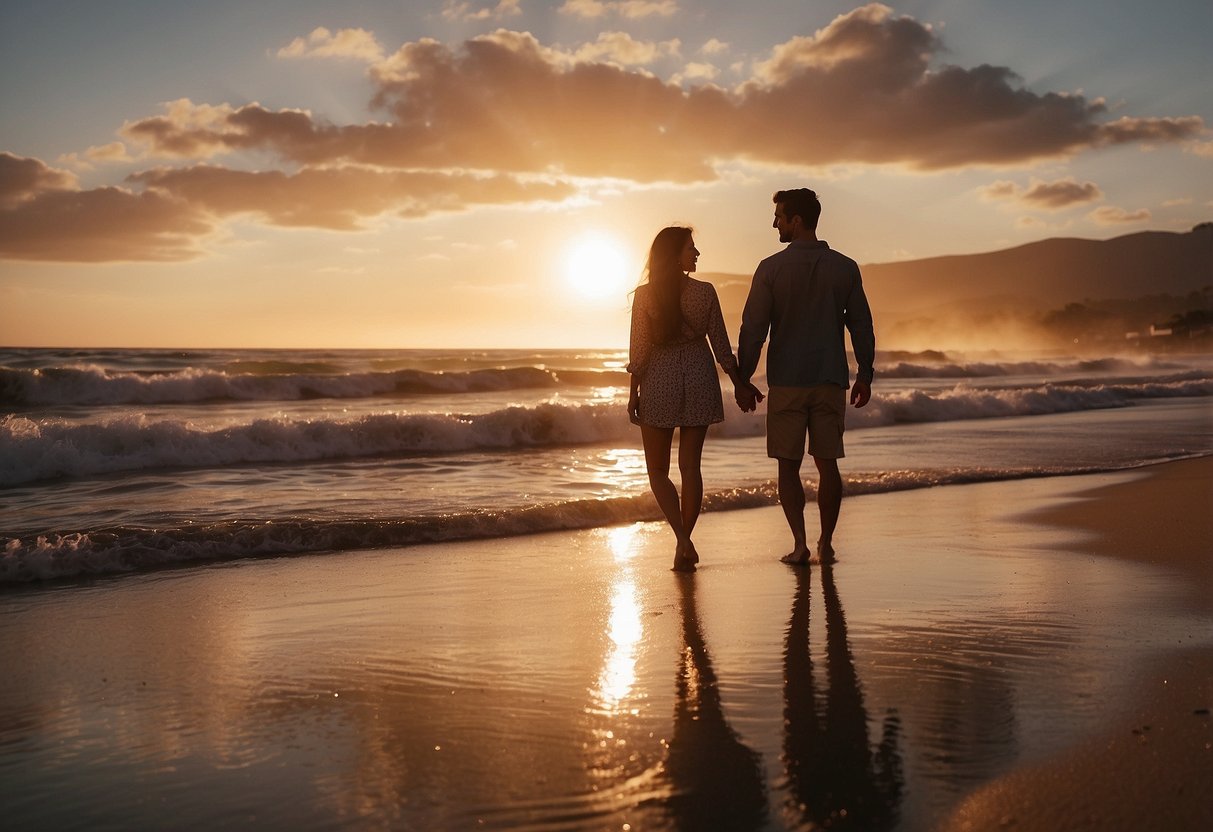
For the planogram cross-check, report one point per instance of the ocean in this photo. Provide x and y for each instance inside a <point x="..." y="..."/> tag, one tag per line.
<point x="116" y="461"/>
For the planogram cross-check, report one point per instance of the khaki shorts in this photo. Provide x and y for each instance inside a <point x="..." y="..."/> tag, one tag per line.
<point x="819" y="411"/>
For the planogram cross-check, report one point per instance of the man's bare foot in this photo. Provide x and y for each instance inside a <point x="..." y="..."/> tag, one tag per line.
<point x="824" y="554"/>
<point x="797" y="557"/>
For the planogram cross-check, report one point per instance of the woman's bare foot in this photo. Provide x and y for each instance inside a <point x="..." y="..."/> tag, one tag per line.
<point x="691" y="553"/>
<point x="682" y="558"/>
<point x="797" y="557"/>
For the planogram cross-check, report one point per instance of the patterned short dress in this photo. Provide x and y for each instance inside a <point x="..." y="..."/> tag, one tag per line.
<point x="678" y="382"/>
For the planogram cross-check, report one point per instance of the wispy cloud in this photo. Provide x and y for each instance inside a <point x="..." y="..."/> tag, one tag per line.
<point x="1047" y="196"/>
<point x="459" y="10"/>
<point x="630" y="9"/>
<point x="358" y="44"/>
<point x="1111" y="215"/>
<point x="622" y="48"/>
<point x="1204" y="149"/>
<point x="696" y="71"/>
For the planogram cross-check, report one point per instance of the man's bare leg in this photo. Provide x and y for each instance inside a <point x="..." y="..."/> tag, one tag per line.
<point x="791" y="498"/>
<point x="829" y="503"/>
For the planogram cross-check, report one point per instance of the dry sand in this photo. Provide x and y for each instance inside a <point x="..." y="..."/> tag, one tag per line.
<point x="1032" y="654"/>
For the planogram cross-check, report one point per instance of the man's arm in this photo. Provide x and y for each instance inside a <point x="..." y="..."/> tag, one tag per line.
<point x="755" y="324"/>
<point x="863" y="341"/>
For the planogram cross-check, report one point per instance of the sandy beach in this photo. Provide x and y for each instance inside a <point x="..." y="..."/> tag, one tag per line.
<point x="1030" y="654"/>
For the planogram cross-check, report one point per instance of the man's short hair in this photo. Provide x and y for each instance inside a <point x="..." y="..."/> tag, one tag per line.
<point x="800" y="202"/>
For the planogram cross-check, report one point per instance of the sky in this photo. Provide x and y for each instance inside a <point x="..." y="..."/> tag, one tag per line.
<point x="490" y="173"/>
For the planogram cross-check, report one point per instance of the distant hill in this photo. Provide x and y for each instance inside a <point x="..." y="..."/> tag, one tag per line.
<point x="998" y="299"/>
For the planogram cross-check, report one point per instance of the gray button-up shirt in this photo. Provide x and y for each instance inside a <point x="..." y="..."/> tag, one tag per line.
<point x="804" y="296"/>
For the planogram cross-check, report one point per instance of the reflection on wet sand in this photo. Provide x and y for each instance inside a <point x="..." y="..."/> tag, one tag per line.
<point x="716" y="780"/>
<point x="834" y="779"/>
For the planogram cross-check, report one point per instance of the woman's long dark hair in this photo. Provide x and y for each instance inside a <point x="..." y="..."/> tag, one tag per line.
<point x="664" y="271"/>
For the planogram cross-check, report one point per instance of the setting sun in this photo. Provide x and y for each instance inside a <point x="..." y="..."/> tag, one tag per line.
<point x="596" y="267"/>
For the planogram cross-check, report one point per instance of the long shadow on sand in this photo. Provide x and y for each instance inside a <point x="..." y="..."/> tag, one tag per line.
<point x="834" y="779"/>
<point x="717" y="781"/>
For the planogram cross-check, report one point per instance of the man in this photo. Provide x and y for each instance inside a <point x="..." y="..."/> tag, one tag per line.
<point x="804" y="296"/>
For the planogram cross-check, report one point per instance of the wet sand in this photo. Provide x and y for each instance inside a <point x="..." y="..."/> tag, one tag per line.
<point x="1033" y="654"/>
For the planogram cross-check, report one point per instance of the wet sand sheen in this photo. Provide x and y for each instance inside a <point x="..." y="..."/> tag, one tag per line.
<point x="568" y="681"/>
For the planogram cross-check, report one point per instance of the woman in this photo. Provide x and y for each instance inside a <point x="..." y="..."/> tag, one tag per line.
<point x="674" y="382"/>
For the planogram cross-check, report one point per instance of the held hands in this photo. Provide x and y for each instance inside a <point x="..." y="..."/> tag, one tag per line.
<point x="747" y="397"/>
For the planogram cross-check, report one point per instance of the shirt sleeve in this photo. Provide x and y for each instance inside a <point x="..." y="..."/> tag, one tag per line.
<point x="863" y="335"/>
<point x="755" y="324"/>
<point x="718" y="335"/>
<point x="640" y="344"/>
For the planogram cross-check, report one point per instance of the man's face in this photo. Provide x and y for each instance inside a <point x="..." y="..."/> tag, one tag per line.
<point x="783" y="225"/>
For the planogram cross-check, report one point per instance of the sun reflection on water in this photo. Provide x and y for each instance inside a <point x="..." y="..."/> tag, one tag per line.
<point x="625" y="627"/>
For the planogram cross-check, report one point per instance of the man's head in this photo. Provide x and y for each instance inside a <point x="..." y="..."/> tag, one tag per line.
<point x="796" y="214"/>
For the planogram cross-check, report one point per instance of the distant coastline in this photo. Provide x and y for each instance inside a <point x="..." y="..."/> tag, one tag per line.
<point x="1060" y="292"/>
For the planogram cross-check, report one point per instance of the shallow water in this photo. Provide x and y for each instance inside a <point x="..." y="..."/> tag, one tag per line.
<point x="567" y="681"/>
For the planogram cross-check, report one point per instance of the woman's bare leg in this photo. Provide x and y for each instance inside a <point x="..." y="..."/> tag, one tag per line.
<point x="657" y="442"/>
<point x="690" y="456"/>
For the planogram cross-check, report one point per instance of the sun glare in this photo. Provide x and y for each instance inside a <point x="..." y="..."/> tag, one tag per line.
<point x="596" y="267"/>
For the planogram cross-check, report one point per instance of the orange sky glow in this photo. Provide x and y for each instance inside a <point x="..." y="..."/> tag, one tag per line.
<point x="490" y="174"/>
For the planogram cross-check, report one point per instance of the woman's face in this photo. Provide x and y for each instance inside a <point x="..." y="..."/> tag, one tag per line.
<point x="686" y="260"/>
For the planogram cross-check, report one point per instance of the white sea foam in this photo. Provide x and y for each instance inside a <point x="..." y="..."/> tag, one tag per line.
<point x="93" y="385"/>
<point x="129" y="549"/>
<point x="52" y="448"/>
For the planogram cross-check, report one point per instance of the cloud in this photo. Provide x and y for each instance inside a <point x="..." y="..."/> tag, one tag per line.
<point x="1046" y="196"/>
<point x="456" y="10"/>
<point x="1203" y="149"/>
<point x="630" y="9"/>
<point x="22" y="179"/>
<point x="622" y="48"/>
<point x="696" y="71"/>
<point x="186" y="130"/>
<point x="43" y="216"/>
<point x="339" y="199"/>
<point x="860" y="91"/>
<point x="714" y="47"/>
<point x="1110" y="215"/>
<point x="504" y="118"/>
<point x="358" y="44"/>
<point x="112" y="152"/>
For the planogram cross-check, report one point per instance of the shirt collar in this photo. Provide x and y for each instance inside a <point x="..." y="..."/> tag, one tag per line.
<point x="808" y="245"/>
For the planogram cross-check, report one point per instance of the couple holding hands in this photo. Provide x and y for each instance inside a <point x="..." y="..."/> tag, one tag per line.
<point x="803" y="297"/>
